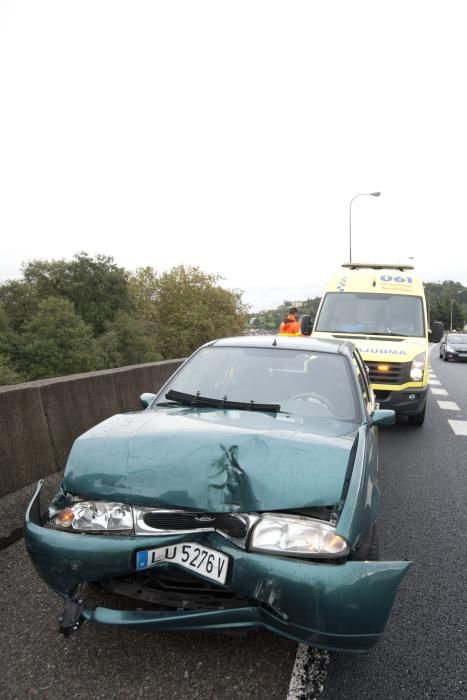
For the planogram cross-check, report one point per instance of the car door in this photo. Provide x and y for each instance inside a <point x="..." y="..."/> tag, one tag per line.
<point x="371" y="448"/>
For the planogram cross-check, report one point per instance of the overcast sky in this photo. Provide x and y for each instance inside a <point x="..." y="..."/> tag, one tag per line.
<point x="233" y="135"/>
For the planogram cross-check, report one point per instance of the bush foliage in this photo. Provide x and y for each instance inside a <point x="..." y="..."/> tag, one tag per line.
<point x="68" y="316"/>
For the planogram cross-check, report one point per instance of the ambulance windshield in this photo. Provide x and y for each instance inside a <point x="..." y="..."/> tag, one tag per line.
<point x="375" y="314"/>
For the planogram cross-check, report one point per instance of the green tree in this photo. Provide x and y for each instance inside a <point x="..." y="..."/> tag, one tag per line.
<point x="56" y="342"/>
<point x="19" y="302"/>
<point x="143" y="291"/>
<point x="108" y="354"/>
<point x="440" y="296"/>
<point x="97" y="287"/>
<point x="193" y="309"/>
<point x="9" y="342"/>
<point x="126" y="342"/>
<point x="8" y="375"/>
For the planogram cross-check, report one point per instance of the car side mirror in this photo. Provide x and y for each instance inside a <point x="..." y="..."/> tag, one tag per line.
<point x="306" y="325"/>
<point x="383" y="416"/>
<point x="146" y="399"/>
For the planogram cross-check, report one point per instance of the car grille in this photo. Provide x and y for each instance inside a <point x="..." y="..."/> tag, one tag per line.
<point x="396" y="372"/>
<point x="229" y="523"/>
<point x="170" y="587"/>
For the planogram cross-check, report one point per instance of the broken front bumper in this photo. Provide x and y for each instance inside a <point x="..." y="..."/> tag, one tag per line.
<point x="341" y="607"/>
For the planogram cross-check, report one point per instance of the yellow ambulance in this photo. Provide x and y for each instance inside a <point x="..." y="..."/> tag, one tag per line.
<point x="382" y="310"/>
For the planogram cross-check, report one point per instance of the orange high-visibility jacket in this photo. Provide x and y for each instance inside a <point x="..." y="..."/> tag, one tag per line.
<point x="289" y="326"/>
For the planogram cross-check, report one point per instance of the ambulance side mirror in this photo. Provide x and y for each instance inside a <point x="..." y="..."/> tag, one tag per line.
<point x="306" y="325"/>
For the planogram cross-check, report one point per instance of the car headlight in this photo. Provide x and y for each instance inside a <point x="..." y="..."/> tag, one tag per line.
<point x="418" y="365"/>
<point x="449" y="348"/>
<point x="95" y="516"/>
<point x="297" y="536"/>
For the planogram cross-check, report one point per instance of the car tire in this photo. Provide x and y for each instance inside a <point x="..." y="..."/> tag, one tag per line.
<point x="373" y="554"/>
<point x="445" y="358"/>
<point x="418" y="418"/>
<point x="369" y="549"/>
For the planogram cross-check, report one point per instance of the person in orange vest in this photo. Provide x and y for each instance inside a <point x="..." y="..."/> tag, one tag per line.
<point x="290" y="325"/>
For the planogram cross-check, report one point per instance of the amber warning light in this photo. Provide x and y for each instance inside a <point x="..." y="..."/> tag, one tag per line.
<point x="65" y="517"/>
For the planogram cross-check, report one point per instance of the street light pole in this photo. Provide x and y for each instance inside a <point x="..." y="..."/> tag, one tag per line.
<point x="459" y="291"/>
<point x="362" y="194"/>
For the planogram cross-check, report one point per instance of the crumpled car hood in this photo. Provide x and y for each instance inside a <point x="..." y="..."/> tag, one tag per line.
<point x="212" y="460"/>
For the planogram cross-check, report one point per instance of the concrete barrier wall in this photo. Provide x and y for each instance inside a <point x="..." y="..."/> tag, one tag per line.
<point x="39" y="421"/>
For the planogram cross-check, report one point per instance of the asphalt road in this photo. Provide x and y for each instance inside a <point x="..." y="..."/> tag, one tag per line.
<point x="423" y="476"/>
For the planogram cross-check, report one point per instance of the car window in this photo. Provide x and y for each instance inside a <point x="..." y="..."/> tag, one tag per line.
<point x="457" y="339"/>
<point x="301" y="382"/>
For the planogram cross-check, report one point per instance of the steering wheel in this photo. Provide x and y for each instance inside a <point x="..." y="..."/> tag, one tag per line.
<point x="312" y="395"/>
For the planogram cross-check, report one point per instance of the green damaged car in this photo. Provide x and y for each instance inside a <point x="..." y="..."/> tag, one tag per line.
<point x="245" y="495"/>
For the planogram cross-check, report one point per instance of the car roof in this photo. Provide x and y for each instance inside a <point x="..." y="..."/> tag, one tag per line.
<point x="285" y="342"/>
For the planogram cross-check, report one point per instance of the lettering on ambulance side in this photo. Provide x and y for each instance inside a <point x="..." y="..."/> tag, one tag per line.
<point x="383" y="351"/>
<point x="398" y="279"/>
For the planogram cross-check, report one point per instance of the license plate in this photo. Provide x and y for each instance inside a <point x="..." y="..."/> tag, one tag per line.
<point x="190" y="555"/>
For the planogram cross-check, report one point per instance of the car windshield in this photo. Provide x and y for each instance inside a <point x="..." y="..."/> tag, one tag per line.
<point x="376" y="314"/>
<point x="306" y="383"/>
<point x="457" y="339"/>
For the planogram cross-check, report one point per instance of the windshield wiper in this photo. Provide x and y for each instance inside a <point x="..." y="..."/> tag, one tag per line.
<point x="388" y="332"/>
<point x="197" y="400"/>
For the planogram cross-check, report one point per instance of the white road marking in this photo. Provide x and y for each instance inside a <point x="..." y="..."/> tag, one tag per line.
<point x="435" y="381"/>
<point x="459" y="426"/>
<point x="308" y="674"/>
<point x="448" y="405"/>
<point x="439" y="392"/>
<point x="432" y="375"/>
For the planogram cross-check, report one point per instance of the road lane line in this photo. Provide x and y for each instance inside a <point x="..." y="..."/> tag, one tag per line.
<point x="439" y="392"/>
<point x="435" y="381"/>
<point x="448" y="405"/>
<point x="459" y="426"/>
<point x="308" y="674"/>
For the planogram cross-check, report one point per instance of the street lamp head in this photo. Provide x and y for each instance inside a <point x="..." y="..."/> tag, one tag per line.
<point x="375" y="194"/>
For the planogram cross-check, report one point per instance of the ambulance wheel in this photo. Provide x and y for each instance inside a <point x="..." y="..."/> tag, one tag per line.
<point x="418" y="418"/>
